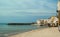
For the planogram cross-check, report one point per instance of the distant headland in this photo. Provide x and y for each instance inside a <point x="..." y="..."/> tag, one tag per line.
<point x="20" y="23"/>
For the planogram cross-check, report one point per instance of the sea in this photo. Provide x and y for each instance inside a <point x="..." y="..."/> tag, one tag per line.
<point x="8" y="30"/>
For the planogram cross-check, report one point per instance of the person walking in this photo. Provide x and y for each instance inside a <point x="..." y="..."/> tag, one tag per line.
<point x="59" y="28"/>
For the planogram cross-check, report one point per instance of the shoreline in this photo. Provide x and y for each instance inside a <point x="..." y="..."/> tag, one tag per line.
<point x="48" y="32"/>
<point x="43" y="27"/>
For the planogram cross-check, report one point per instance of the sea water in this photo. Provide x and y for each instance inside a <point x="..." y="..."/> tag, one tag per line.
<point x="7" y="30"/>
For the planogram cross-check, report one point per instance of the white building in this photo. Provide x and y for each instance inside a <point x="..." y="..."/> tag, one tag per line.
<point x="38" y="22"/>
<point x="53" y="19"/>
<point x="42" y="21"/>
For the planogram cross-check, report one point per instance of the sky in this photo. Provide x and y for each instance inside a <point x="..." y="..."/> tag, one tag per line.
<point x="26" y="10"/>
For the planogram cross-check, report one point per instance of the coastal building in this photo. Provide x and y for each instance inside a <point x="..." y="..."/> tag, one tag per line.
<point x="46" y="21"/>
<point x="38" y="22"/>
<point x="42" y="22"/>
<point x="52" y="21"/>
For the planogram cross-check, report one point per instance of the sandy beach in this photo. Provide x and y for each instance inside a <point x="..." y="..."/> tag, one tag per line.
<point x="47" y="32"/>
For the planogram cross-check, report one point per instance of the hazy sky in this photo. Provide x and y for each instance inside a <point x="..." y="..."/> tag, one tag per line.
<point x="26" y="10"/>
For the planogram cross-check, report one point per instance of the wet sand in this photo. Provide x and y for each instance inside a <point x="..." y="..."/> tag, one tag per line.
<point x="47" y="32"/>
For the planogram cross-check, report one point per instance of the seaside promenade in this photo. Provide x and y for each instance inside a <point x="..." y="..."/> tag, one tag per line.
<point x="47" y="32"/>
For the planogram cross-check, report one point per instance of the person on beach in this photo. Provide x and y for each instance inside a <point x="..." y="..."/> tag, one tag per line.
<point x="59" y="28"/>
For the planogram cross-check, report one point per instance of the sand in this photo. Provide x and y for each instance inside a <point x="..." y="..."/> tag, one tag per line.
<point x="47" y="32"/>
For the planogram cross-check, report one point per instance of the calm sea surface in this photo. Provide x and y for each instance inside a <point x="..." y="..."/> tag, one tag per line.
<point x="6" y="30"/>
